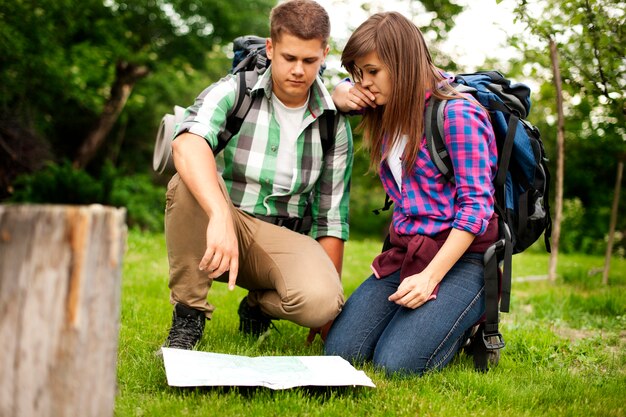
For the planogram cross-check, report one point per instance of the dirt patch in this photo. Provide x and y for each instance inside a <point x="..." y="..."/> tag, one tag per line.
<point x="574" y="335"/>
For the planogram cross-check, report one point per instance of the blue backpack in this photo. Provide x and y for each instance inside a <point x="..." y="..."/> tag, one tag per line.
<point x="521" y="184"/>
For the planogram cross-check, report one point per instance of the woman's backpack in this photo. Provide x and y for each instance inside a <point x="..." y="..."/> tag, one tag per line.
<point x="522" y="184"/>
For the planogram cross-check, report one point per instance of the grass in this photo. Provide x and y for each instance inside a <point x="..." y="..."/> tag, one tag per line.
<point x="565" y="353"/>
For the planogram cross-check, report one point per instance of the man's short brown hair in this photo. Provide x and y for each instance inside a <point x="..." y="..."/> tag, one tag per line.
<point x="305" y="19"/>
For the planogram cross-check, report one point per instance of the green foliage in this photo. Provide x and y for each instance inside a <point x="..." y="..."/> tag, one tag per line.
<point x="144" y="201"/>
<point x="59" y="184"/>
<point x="445" y="13"/>
<point x="574" y="236"/>
<point x="591" y="45"/>
<point x="366" y="194"/>
<point x="63" y="184"/>
<point x="58" y="60"/>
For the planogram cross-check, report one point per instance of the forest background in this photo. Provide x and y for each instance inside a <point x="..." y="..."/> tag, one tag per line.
<point x="84" y="85"/>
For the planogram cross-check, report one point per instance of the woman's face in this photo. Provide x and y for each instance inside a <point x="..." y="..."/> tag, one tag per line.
<point x="375" y="77"/>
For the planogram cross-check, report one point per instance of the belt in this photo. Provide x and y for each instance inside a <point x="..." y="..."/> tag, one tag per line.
<point x="297" y="224"/>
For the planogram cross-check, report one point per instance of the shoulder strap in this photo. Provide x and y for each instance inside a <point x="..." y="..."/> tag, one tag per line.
<point x="243" y="102"/>
<point x="328" y="130"/>
<point x="433" y="128"/>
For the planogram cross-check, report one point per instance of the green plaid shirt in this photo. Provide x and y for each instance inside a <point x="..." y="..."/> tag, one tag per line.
<point x="248" y="162"/>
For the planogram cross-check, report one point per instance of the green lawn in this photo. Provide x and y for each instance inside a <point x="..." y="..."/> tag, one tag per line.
<point x="565" y="353"/>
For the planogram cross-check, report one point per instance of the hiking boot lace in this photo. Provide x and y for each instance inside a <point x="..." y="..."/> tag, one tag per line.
<point x="186" y="331"/>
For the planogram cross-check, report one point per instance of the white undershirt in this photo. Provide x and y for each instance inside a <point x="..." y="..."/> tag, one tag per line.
<point x="394" y="159"/>
<point x="290" y="121"/>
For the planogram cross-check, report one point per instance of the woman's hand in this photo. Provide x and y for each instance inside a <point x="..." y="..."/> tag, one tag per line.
<point x="348" y="97"/>
<point x="414" y="291"/>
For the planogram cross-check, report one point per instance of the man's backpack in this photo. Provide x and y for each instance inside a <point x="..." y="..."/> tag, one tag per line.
<point x="521" y="185"/>
<point x="249" y="62"/>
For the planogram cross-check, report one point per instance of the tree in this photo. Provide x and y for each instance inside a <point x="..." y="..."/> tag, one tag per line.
<point x="590" y="38"/>
<point x="560" y="156"/>
<point x="76" y="62"/>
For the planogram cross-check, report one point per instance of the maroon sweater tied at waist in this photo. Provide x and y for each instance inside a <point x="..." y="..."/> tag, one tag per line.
<point x="412" y="253"/>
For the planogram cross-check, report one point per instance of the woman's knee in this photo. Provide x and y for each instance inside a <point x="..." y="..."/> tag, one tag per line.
<point x="401" y="364"/>
<point x="343" y="345"/>
<point x="398" y="360"/>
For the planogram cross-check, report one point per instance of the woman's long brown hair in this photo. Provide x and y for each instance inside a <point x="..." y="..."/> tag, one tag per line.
<point x="401" y="48"/>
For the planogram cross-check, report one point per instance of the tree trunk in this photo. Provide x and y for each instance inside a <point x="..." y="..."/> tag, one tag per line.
<point x="60" y="282"/>
<point x="609" y="247"/>
<point x="126" y="76"/>
<point x="560" y="157"/>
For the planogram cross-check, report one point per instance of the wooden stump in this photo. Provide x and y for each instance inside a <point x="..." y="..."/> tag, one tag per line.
<point x="60" y="282"/>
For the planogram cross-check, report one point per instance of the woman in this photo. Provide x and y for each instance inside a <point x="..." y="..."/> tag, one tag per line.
<point x="426" y="293"/>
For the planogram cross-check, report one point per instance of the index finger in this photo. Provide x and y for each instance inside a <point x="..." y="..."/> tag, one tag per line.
<point x="232" y="275"/>
<point x="398" y="295"/>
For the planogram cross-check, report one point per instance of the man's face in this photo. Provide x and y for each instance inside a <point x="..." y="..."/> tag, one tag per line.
<point x="295" y="65"/>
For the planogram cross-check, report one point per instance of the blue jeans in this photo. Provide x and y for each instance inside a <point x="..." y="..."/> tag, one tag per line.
<point x="406" y="341"/>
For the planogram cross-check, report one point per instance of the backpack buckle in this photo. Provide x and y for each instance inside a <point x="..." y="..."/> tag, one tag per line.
<point x="493" y="341"/>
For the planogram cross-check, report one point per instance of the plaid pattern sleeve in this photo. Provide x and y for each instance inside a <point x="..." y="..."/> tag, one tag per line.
<point x="471" y="143"/>
<point x="427" y="204"/>
<point x="207" y="116"/>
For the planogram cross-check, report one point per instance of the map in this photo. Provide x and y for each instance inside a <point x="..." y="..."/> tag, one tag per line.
<point x="189" y="368"/>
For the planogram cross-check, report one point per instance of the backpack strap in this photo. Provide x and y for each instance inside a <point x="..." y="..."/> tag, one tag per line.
<point x="385" y="207"/>
<point x="328" y="129"/>
<point x="491" y="336"/>
<point x="504" y="154"/>
<point x="434" y="138"/>
<point x="497" y="287"/>
<point x="243" y="103"/>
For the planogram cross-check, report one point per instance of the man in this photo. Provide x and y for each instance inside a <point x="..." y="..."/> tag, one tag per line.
<point x="224" y="212"/>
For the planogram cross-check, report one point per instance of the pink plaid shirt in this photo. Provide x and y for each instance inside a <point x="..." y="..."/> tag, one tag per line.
<point x="427" y="204"/>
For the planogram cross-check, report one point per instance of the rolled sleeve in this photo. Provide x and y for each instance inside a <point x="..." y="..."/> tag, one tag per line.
<point x="207" y="116"/>
<point x="332" y="193"/>
<point x="472" y="146"/>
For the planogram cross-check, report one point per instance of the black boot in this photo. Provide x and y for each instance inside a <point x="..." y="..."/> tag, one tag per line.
<point x="187" y="327"/>
<point x="252" y="320"/>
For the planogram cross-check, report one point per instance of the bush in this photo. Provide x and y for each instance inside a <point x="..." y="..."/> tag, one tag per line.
<point x="64" y="184"/>
<point x="58" y="184"/>
<point x="144" y="201"/>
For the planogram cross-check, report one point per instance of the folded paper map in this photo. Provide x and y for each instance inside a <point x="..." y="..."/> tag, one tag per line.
<point x="189" y="368"/>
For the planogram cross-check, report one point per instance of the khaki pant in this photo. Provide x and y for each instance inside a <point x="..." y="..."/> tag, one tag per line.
<point x="288" y="274"/>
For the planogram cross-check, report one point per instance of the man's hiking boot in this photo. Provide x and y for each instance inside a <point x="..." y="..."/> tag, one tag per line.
<point x="252" y="320"/>
<point x="187" y="327"/>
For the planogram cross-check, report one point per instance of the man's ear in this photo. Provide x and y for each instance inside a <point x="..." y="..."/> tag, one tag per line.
<point x="326" y="50"/>
<point x="269" y="48"/>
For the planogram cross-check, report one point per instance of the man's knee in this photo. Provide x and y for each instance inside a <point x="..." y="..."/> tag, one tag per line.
<point x="317" y="307"/>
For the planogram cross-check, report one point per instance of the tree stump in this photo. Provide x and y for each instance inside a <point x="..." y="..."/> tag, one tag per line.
<point x="60" y="284"/>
